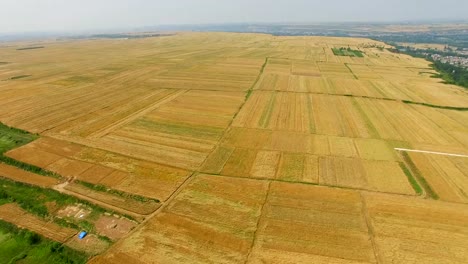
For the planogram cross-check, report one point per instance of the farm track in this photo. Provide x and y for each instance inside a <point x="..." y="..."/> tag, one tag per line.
<point x="370" y="228"/>
<point x="61" y="188"/>
<point x="432" y="152"/>
<point x="260" y="222"/>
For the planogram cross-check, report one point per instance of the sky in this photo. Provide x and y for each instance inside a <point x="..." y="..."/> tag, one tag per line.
<point x="82" y="15"/>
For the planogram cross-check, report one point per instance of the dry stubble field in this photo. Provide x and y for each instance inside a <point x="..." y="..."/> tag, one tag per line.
<point x="261" y="149"/>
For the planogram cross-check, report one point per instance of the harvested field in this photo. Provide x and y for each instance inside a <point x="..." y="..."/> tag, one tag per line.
<point x="102" y="167"/>
<point x="14" y="214"/>
<point x="13" y="173"/>
<point x="369" y="164"/>
<point x="382" y="176"/>
<point x="267" y="117"/>
<point x="180" y="133"/>
<point x="407" y="230"/>
<point x="91" y="244"/>
<point x="446" y="176"/>
<point x="309" y="224"/>
<point x="210" y="221"/>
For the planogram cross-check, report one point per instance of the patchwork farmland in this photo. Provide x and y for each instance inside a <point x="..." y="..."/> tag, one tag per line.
<point x="238" y="148"/>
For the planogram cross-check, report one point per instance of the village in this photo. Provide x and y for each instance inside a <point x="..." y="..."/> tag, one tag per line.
<point x="453" y="60"/>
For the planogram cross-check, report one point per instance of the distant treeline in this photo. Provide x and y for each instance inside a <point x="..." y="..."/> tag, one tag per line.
<point x="452" y="74"/>
<point x="455" y="39"/>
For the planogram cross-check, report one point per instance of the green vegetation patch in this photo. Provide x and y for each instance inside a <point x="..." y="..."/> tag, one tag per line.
<point x="437" y="106"/>
<point x="35" y="200"/>
<point x="102" y="188"/>
<point x="417" y="175"/>
<point x="451" y="74"/>
<point x="411" y="179"/>
<point x="19" y="77"/>
<point x="266" y="115"/>
<point x="32" y="198"/>
<point x="11" y="138"/>
<point x="22" y="246"/>
<point x="348" y="52"/>
<point x="372" y="129"/>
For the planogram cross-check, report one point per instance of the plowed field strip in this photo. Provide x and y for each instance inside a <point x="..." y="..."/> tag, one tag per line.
<point x="20" y="175"/>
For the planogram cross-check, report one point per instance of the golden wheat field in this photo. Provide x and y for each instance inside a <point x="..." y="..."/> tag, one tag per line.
<point x="259" y="148"/>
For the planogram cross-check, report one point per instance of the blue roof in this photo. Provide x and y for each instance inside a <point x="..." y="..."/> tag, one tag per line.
<point x="82" y="234"/>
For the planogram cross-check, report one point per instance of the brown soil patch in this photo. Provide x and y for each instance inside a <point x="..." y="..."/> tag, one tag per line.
<point x="77" y="211"/>
<point x="19" y="175"/>
<point x="113" y="227"/>
<point x="91" y="244"/>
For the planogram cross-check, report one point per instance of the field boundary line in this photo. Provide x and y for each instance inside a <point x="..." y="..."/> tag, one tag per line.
<point x="308" y="183"/>
<point x="229" y="126"/>
<point x="432" y="152"/>
<point x="135" y="115"/>
<point x="370" y="228"/>
<point x="259" y="223"/>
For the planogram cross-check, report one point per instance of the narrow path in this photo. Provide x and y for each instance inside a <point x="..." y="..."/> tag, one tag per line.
<point x="432" y="152"/>
<point x="259" y="224"/>
<point x="370" y="228"/>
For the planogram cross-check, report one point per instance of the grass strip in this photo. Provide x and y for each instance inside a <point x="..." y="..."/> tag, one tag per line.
<point x="417" y="175"/>
<point x="31" y="48"/>
<point x="411" y="179"/>
<point x="437" y="106"/>
<point x="102" y="188"/>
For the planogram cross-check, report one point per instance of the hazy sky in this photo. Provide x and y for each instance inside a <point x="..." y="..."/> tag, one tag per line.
<point x="75" y="15"/>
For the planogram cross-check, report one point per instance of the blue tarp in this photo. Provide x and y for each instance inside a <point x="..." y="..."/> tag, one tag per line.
<point x="82" y="234"/>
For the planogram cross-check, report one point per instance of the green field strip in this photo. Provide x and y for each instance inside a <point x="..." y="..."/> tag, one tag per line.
<point x="418" y="176"/>
<point x="373" y="131"/>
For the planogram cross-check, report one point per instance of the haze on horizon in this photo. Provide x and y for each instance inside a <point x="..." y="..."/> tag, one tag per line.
<point x="82" y="15"/>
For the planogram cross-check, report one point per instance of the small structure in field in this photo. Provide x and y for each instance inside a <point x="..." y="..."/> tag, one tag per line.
<point x="82" y="234"/>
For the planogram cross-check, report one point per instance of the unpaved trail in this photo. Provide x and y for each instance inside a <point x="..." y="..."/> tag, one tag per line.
<point x="260" y="222"/>
<point x="370" y="228"/>
<point x="432" y="152"/>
